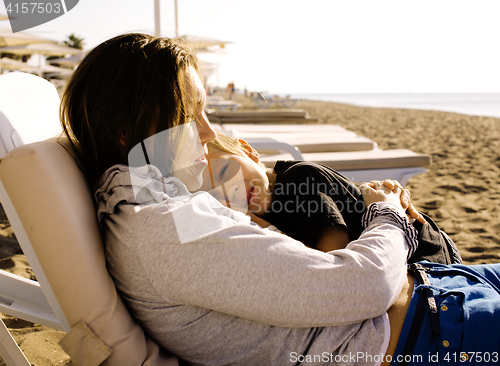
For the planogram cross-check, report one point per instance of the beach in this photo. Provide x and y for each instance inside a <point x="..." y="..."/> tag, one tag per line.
<point x="460" y="191"/>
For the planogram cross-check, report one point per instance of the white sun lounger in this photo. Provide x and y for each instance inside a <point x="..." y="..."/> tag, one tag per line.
<point x="52" y="213"/>
<point x="261" y="116"/>
<point x="317" y="142"/>
<point x="269" y="101"/>
<point x="282" y="128"/>
<point x="223" y="105"/>
<point x="359" y="166"/>
<point x="330" y="138"/>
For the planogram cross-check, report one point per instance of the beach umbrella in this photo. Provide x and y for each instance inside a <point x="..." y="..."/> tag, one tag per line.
<point x="202" y="42"/>
<point x="14" y="65"/>
<point x="206" y="68"/>
<point x="54" y="70"/>
<point x="204" y="45"/>
<point x="49" y="49"/>
<point x="71" y="61"/>
<point x="10" y="64"/>
<point x="8" y="38"/>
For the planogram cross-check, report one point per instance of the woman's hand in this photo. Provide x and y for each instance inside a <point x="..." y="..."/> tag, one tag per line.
<point x="405" y="199"/>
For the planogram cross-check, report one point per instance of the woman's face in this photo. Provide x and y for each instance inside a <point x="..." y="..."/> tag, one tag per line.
<point x="190" y="161"/>
<point x="187" y="158"/>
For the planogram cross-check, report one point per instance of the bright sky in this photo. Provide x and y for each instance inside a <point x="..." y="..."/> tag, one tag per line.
<point x="317" y="46"/>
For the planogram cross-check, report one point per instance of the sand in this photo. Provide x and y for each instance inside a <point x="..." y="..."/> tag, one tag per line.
<point x="460" y="191"/>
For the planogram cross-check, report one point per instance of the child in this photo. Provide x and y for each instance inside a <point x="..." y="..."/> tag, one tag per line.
<point x="310" y="202"/>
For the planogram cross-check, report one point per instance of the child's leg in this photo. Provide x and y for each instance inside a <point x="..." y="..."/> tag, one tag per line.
<point x="434" y="245"/>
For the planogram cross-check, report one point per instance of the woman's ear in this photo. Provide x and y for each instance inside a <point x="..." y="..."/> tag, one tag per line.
<point x="250" y="151"/>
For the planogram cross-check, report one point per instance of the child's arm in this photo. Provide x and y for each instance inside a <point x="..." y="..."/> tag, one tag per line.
<point x="337" y="237"/>
<point x="261" y="222"/>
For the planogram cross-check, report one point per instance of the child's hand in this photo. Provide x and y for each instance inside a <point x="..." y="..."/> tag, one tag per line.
<point x="378" y="191"/>
<point x="411" y="211"/>
<point x="246" y="211"/>
<point x="261" y="222"/>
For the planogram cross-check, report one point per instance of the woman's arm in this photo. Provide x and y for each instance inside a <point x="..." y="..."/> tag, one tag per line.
<point x="333" y="237"/>
<point x="249" y="272"/>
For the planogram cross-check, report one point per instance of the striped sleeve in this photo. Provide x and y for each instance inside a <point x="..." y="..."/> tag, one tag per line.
<point x="392" y="214"/>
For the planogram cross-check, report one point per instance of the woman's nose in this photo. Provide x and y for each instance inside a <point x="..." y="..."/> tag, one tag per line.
<point x="205" y="129"/>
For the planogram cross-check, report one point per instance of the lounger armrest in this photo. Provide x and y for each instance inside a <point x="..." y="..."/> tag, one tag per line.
<point x="267" y="143"/>
<point x="24" y="298"/>
<point x="84" y="347"/>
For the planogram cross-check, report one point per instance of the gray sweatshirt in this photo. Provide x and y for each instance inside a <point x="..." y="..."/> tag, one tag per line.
<point x="215" y="289"/>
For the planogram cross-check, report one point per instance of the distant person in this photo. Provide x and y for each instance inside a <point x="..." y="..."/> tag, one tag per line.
<point x="230" y="91"/>
<point x="311" y="203"/>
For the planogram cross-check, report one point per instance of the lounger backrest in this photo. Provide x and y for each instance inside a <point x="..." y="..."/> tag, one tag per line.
<point x="29" y="110"/>
<point x="57" y="228"/>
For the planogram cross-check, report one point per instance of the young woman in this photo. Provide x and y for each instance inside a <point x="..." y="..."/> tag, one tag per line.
<point x="202" y="280"/>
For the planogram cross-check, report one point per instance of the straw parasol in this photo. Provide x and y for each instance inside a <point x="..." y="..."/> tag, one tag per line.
<point x="71" y="61"/>
<point x="8" y="38"/>
<point x="14" y="65"/>
<point x="50" y="49"/>
<point x="10" y="64"/>
<point x="206" y="68"/>
<point x="202" y="42"/>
